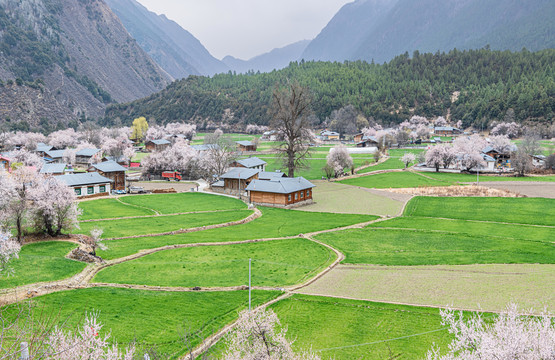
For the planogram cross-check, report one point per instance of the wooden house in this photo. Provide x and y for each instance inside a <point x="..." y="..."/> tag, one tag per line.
<point x="245" y="146"/>
<point x="367" y="141"/>
<point x="87" y="184"/>
<point x="54" y="169"/>
<point x="236" y="179"/>
<point x="329" y="135"/>
<point x="5" y="163"/>
<point x="250" y="163"/>
<point x="157" y="145"/>
<point x="113" y="171"/>
<point x="446" y="131"/>
<point x="281" y="192"/>
<point x="85" y="157"/>
<point x="55" y="156"/>
<point x="42" y="148"/>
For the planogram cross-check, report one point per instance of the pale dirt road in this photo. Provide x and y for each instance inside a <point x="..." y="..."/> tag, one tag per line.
<point x="528" y="188"/>
<point x="486" y="287"/>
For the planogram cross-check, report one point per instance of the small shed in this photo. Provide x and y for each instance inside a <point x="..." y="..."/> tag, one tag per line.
<point x="329" y="135"/>
<point x="367" y="141"/>
<point x="281" y="192"/>
<point x="245" y="145"/>
<point x="251" y="163"/>
<point x="113" y="171"/>
<point x="237" y="179"/>
<point x="157" y="145"/>
<point x="87" y="184"/>
<point x="87" y="156"/>
<point x="5" y="163"/>
<point x="53" y="169"/>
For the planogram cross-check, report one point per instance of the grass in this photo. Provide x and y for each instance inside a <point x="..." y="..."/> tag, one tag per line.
<point x="139" y="157"/>
<point x="275" y="263"/>
<point x="464" y="178"/>
<point x="405" y="179"/>
<point x="153" y="319"/>
<point x="324" y="323"/>
<point x="40" y="262"/>
<point x="161" y="224"/>
<point x="274" y="223"/>
<point x="393" y="162"/>
<point x="404" y="247"/>
<point x="315" y="164"/>
<point x="184" y="202"/>
<point x="109" y="208"/>
<point x="535" y="211"/>
<point x="339" y="198"/>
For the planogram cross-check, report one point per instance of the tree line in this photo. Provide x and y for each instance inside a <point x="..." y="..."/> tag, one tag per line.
<point x="475" y="86"/>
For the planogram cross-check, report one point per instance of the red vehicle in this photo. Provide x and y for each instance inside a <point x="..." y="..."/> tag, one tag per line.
<point x="168" y="175"/>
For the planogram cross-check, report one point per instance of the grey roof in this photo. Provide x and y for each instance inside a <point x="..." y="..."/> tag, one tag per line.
<point x="245" y="143"/>
<point x="55" y="154"/>
<point x="445" y="128"/>
<point x="269" y="175"/>
<point x="218" y="184"/>
<point x="42" y="147"/>
<point x="328" y="133"/>
<point x="240" y="173"/>
<point x="91" y="178"/>
<point x="109" y="166"/>
<point x="53" y="169"/>
<point x="205" y="147"/>
<point x="251" y="162"/>
<point x="117" y="159"/>
<point x="280" y="185"/>
<point x="160" y="142"/>
<point x="87" y="152"/>
<point x="371" y="138"/>
<point x="488" y="158"/>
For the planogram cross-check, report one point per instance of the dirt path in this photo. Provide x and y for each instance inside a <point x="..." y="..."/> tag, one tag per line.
<point x="528" y="188"/>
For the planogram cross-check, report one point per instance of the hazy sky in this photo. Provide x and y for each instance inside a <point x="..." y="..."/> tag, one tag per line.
<point x="246" y="28"/>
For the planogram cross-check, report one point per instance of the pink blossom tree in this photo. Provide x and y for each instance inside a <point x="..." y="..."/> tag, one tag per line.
<point x="440" y="121"/>
<point x="9" y="250"/>
<point x="422" y="132"/>
<point x="63" y="138"/>
<point x="155" y="133"/>
<point x="15" y="198"/>
<point x="339" y="159"/>
<point x="469" y="150"/>
<point x="54" y="207"/>
<point x="256" y="338"/>
<point x="118" y="147"/>
<point x="434" y="158"/>
<point x="187" y="130"/>
<point x="180" y="157"/>
<point x="509" y="336"/>
<point x="28" y="140"/>
<point x="511" y="129"/>
<point x="407" y="159"/>
<point x="448" y="155"/>
<point x="501" y="143"/>
<point x="95" y="240"/>
<point x="27" y="158"/>
<point x="256" y="129"/>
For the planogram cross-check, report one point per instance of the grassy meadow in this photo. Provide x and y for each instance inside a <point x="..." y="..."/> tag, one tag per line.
<point x="109" y="208"/>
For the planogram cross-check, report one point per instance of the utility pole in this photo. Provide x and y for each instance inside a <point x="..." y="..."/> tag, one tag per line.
<point x="250" y="261"/>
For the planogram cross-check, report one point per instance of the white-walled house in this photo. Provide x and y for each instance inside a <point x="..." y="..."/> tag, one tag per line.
<point x="87" y="184"/>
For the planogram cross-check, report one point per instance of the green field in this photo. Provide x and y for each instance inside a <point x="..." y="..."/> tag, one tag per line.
<point x="536" y="211"/>
<point x="420" y="247"/>
<point x="315" y="165"/>
<point x="405" y="179"/>
<point x="184" y="202"/>
<point x="350" y="329"/>
<point x="152" y="318"/>
<point x="276" y="263"/>
<point x="41" y="262"/>
<point x="469" y="178"/>
<point x="273" y="223"/>
<point x="161" y="224"/>
<point x="109" y="208"/>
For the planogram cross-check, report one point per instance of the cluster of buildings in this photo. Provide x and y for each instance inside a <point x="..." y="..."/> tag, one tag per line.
<point x="163" y="144"/>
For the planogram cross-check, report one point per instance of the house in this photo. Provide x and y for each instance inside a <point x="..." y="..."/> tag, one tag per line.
<point x="55" y="156"/>
<point x="245" y="146"/>
<point x="122" y="160"/>
<point x="113" y="171"/>
<point x="269" y="136"/>
<point x="87" y="156"/>
<point x="270" y="175"/>
<point x="237" y="179"/>
<point x="538" y="160"/>
<point x="502" y="158"/>
<point x="5" y="163"/>
<point x="490" y="163"/>
<point x="205" y="147"/>
<point x="329" y="135"/>
<point x="157" y="145"/>
<point x="54" y="169"/>
<point x="446" y="130"/>
<point x="42" y="148"/>
<point x="87" y="184"/>
<point x="367" y="141"/>
<point x="281" y="192"/>
<point x="358" y="138"/>
<point x="250" y="163"/>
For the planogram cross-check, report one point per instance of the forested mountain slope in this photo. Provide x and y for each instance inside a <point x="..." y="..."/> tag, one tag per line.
<point x="175" y="49"/>
<point x="489" y="83"/>
<point x="62" y="59"/>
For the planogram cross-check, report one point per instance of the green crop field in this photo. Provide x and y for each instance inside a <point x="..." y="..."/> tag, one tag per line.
<point x="152" y="318"/>
<point x="109" y="208"/>
<point x="420" y="247"/>
<point x="315" y="165"/>
<point x="276" y="263"/>
<point x="273" y="223"/>
<point x="405" y="179"/>
<point x="161" y="224"/>
<point x="41" y="262"/>
<point x="469" y="178"/>
<point x="350" y="329"/>
<point x="536" y="211"/>
<point x="184" y="202"/>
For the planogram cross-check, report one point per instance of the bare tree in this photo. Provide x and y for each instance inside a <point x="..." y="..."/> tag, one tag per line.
<point x="522" y="158"/>
<point x="290" y="118"/>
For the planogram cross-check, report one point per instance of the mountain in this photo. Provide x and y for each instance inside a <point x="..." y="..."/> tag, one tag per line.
<point x="64" y="59"/>
<point x="274" y="60"/>
<point x="382" y="29"/>
<point x="175" y="49"/>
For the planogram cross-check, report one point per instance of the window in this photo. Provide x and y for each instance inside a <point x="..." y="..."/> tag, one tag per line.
<point x="296" y="196"/>
<point x="102" y="188"/>
<point x="289" y="197"/>
<point x="90" y="190"/>
<point x="78" y="191"/>
<point x="302" y="194"/>
<point x="307" y="193"/>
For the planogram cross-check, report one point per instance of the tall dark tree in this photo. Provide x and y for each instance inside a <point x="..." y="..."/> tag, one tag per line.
<point x="291" y="110"/>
